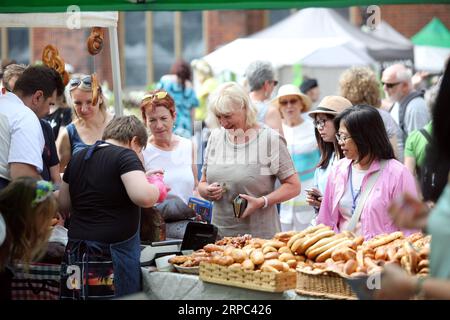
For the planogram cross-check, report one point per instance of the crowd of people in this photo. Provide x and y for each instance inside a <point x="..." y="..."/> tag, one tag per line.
<point x="351" y="161"/>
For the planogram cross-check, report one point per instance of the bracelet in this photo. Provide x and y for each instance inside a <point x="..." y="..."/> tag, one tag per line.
<point x="266" y="202"/>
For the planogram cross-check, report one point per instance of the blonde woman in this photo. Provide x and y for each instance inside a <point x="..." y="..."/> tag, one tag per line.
<point x="89" y="123"/>
<point x="244" y="158"/>
<point x="296" y="214"/>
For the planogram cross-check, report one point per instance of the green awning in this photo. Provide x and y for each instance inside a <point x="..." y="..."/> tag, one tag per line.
<point x="434" y="34"/>
<point x="15" y="6"/>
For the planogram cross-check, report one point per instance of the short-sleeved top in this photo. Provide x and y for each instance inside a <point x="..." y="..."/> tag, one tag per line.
<point x="49" y="155"/>
<point x="251" y="168"/>
<point x="76" y="144"/>
<point x="60" y="117"/>
<point x="101" y="208"/>
<point x="392" y="130"/>
<point x="438" y="227"/>
<point x="416" y="144"/>
<point x="177" y="165"/>
<point x="22" y="140"/>
<point x="185" y="100"/>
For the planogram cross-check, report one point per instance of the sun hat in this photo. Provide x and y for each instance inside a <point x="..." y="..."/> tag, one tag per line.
<point x="331" y="105"/>
<point x="289" y="90"/>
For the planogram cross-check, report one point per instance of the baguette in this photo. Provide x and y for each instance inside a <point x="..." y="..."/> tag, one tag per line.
<point x="385" y="239"/>
<point x="314" y="253"/>
<point x="323" y="242"/>
<point x="297" y="244"/>
<point x="303" y="233"/>
<point x="327" y="254"/>
<point x="313" y="239"/>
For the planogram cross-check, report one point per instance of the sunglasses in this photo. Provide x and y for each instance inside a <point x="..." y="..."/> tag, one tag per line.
<point x="286" y="102"/>
<point x="390" y="85"/>
<point x="76" y="82"/>
<point x="158" y="95"/>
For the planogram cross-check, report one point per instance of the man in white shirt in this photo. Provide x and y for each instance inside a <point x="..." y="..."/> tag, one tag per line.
<point x="410" y="110"/>
<point x="21" y="137"/>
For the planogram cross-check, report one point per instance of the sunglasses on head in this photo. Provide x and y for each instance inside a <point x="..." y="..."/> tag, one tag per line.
<point x="158" y="95"/>
<point x="390" y="85"/>
<point x="76" y="82"/>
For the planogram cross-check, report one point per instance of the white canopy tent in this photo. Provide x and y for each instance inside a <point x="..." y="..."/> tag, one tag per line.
<point x="320" y="23"/>
<point x="324" y="59"/>
<point x="76" y="20"/>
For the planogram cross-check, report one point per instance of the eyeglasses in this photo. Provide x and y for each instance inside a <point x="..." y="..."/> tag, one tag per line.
<point x="158" y="95"/>
<point x="285" y="102"/>
<point x="390" y="85"/>
<point x="76" y="82"/>
<point x="341" y="138"/>
<point x="320" y="123"/>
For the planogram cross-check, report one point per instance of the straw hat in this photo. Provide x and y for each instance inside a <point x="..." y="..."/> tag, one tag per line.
<point x="289" y="90"/>
<point x="331" y="105"/>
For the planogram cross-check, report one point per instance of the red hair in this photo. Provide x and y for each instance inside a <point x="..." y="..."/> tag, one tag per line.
<point x="152" y="102"/>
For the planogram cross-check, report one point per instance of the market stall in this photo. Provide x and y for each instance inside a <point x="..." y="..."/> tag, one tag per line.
<point x="310" y="264"/>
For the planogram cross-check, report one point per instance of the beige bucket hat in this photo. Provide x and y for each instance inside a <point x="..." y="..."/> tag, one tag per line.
<point x="331" y="105"/>
<point x="289" y="90"/>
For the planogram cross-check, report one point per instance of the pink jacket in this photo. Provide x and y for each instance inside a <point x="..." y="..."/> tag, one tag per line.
<point x="392" y="182"/>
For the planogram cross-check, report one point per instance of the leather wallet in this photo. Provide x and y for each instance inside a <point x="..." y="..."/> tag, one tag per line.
<point x="239" y="206"/>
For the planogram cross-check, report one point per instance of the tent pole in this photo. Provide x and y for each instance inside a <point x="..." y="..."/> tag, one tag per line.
<point x="114" y="46"/>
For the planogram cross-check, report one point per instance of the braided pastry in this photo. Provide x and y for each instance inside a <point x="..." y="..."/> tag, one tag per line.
<point x="49" y="53"/>
<point x="95" y="41"/>
<point x="95" y="89"/>
<point x="65" y="77"/>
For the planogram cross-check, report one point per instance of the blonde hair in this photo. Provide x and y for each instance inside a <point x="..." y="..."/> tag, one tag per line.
<point x="27" y="225"/>
<point x="360" y="86"/>
<point x="68" y="92"/>
<point x="225" y="99"/>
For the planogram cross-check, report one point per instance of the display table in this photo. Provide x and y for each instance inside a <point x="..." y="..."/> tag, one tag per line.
<point x="177" y="286"/>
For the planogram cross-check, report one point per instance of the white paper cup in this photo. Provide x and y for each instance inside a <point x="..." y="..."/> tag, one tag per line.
<point x="163" y="264"/>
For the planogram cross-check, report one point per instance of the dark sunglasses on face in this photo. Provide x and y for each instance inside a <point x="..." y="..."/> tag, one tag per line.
<point x="390" y="85"/>
<point x="286" y="102"/>
<point x="76" y="82"/>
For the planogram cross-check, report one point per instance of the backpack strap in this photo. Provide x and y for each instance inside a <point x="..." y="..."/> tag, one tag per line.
<point x="402" y="110"/>
<point x="425" y="134"/>
<point x="364" y="195"/>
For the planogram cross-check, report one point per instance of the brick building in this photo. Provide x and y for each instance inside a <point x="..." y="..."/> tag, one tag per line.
<point x="151" y="41"/>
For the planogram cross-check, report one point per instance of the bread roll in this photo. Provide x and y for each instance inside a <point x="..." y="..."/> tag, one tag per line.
<point x="238" y="255"/>
<point x="284" y="250"/>
<point x="284" y="257"/>
<point x="268" y="269"/>
<point x="271" y="255"/>
<point x="269" y="249"/>
<point x="423" y="264"/>
<point x="277" y="264"/>
<point x="248" y="265"/>
<point x="274" y="243"/>
<point x="235" y="266"/>
<point x="350" y="266"/>
<point x="343" y="254"/>
<point x="257" y="256"/>
<point x="292" y="263"/>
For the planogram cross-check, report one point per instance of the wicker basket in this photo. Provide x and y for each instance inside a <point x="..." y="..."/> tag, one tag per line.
<point x="324" y="284"/>
<point x="255" y="280"/>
